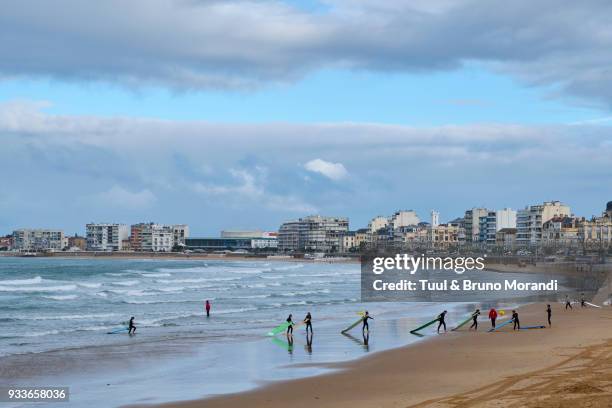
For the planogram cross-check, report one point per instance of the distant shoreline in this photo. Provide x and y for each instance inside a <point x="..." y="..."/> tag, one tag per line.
<point x="180" y="255"/>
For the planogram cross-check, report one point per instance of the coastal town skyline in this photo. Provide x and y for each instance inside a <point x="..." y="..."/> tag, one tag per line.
<point x="424" y="217"/>
<point x="551" y="224"/>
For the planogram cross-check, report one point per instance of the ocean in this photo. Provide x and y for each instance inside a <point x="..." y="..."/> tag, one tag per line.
<point x="55" y="315"/>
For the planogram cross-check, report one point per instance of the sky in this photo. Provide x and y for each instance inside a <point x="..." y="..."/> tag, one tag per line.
<point x="242" y="114"/>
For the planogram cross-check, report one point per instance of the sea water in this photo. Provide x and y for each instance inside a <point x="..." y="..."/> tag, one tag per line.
<point x="55" y="315"/>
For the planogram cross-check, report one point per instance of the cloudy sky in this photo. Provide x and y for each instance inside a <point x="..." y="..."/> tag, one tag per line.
<point x="246" y="113"/>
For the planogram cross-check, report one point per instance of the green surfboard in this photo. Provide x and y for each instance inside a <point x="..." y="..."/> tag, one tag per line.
<point x="352" y="325"/>
<point x="278" y="329"/>
<point x="463" y="323"/>
<point x="424" y="326"/>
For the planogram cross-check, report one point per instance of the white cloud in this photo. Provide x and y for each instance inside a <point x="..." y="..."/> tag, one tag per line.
<point x="118" y="196"/>
<point x="334" y="171"/>
<point x="251" y="171"/>
<point x="252" y="189"/>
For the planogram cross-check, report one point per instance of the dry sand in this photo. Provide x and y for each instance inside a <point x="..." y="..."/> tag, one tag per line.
<point x="569" y="365"/>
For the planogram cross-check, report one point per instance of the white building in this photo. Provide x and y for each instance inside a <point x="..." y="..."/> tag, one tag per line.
<point x="378" y="222"/>
<point x="106" y="237"/>
<point x="530" y="221"/>
<point x="313" y="234"/>
<point x="38" y="240"/>
<point x="495" y="221"/>
<point x="180" y="232"/>
<point x="404" y="218"/>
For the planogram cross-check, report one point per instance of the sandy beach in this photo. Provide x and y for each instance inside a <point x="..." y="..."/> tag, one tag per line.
<point x="569" y="364"/>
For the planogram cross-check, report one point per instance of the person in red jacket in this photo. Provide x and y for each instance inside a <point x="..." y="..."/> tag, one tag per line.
<point x="207" y="308"/>
<point x="493" y="316"/>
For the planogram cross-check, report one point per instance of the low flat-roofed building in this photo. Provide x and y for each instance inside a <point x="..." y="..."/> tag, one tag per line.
<point x="231" y="244"/>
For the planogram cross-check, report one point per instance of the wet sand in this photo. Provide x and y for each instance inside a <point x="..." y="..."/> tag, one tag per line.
<point x="569" y="364"/>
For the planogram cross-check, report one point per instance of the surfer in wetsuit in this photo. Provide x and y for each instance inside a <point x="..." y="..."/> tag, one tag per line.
<point x="582" y="300"/>
<point x="207" y="306"/>
<point x="475" y="319"/>
<point x="441" y="321"/>
<point x="132" y="327"/>
<point x="549" y="313"/>
<point x="365" y="327"/>
<point x="515" y="319"/>
<point x="308" y="322"/>
<point x="290" y="326"/>
<point x="567" y="302"/>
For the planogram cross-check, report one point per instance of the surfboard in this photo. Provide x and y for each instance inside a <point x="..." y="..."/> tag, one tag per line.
<point x="352" y="325"/>
<point x="278" y="329"/>
<point x="501" y="325"/>
<point x="118" y="330"/>
<point x="533" y="327"/>
<point x="590" y="304"/>
<point x="424" y="326"/>
<point x="463" y="323"/>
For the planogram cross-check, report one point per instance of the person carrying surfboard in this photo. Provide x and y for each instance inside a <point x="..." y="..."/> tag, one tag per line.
<point x="308" y="322"/>
<point x="132" y="327"/>
<point x="290" y="325"/>
<point x="493" y="316"/>
<point x="475" y="319"/>
<point x="366" y="326"/>
<point x="515" y="319"/>
<point x="549" y="314"/>
<point x="441" y="321"/>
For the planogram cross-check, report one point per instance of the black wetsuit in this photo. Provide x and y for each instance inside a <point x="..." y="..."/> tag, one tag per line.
<point x="568" y="304"/>
<point x="442" y="322"/>
<point x="515" y="318"/>
<point x="132" y="328"/>
<point x="475" y="319"/>
<point x="582" y="303"/>
<point x="365" y="322"/>
<point x="308" y="321"/>
<point x="290" y="327"/>
<point x="549" y="313"/>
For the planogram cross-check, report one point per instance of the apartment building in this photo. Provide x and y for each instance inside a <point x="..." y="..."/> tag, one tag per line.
<point x="561" y="231"/>
<point x="313" y="234"/>
<point x="531" y="219"/>
<point x="377" y="223"/>
<point x="493" y="222"/>
<point x="105" y="237"/>
<point x="31" y="240"/>
<point x="442" y="236"/>
<point x="179" y="233"/>
<point x="404" y="218"/>
<point x="471" y="224"/>
<point x="151" y="237"/>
